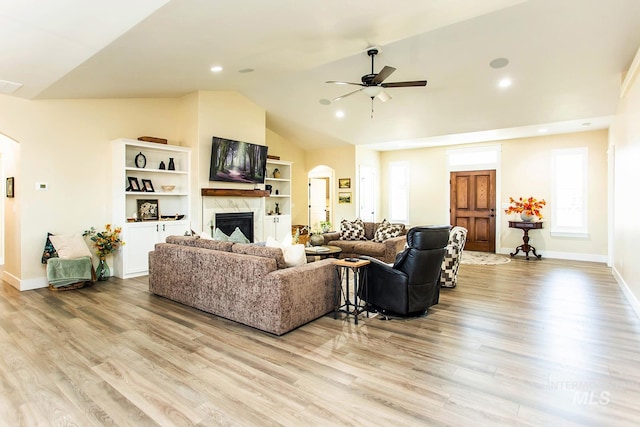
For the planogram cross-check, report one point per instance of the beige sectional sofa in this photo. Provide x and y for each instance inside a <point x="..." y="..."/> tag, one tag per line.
<point x="246" y="283"/>
<point x="384" y="251"/>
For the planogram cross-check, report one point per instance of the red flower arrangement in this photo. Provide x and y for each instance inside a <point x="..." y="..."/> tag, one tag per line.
<point x="530" y="206"/>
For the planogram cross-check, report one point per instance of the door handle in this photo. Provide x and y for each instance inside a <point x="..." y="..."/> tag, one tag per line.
<point x="491" y="216"/>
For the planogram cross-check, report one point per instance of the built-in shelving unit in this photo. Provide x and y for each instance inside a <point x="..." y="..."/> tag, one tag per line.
<point x="141" y="236"/>
<point x="278" y="225"/>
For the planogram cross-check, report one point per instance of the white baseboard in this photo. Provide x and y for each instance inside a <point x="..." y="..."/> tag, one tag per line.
<point x="25" y="285"/>
<point x="564" y="255"/>
<point x="633" y="300"/>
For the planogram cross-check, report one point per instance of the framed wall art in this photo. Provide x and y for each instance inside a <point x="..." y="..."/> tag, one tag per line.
<point x="344" y="182"/>
<point x="147" y="186"/>
<point x="148" y="209"/>
<point x="134" y="185"/>
<point x="344" y="197"/>
<point x="10" y="186"/>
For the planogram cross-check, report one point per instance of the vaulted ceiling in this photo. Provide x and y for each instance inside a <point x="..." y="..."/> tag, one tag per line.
<point x="566" y="59"/>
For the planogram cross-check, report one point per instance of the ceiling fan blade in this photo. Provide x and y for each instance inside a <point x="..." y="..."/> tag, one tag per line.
<point x="405" y="84"/>
<point x="382" y="75"/>
<point x="348" y="94"/>
<point x="384" y="96"/>
<point x="343" y="83"/>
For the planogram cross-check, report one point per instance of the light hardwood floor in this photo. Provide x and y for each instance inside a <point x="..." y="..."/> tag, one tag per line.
<point x="545" y="343"/>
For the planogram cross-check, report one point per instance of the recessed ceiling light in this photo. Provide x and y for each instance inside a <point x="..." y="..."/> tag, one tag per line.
<point x="339" y="114"/>
<point x="246" y="70"/>
<point x="499" y="63"/>
<point x="504" y="83"/>
<point x="324" y="101"/>
<point x="543" y="130"/>
<point x="216" y="69"/>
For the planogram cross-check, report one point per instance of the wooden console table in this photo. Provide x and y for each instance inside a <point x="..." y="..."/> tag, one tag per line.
<point x="525" y="227"/>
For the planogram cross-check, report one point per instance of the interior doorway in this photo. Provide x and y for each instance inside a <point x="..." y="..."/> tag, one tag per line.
<point x="320" y="207"/>
<point x="367" y="190"/>
<point x="473" y="206"/>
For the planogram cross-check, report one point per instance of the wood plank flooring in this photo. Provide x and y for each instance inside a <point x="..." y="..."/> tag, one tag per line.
<point x="532" y="343"/>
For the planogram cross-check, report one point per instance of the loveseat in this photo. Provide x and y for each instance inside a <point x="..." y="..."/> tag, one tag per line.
<point x="385" y="251"/>
<point x="246" y="283"/>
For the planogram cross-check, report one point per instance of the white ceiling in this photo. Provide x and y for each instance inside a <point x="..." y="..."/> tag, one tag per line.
<point x="566" y="60"/>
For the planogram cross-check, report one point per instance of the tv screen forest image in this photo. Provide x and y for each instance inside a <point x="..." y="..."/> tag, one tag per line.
<point x="237" y="161"/>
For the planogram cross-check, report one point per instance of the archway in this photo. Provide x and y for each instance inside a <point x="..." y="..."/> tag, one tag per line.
<point x="320" y="196"/>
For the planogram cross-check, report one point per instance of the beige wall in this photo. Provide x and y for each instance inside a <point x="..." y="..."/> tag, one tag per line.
<point x="525" y="170"/>
<point x="225" y="115"/>
<point x="66" y="143"/>
<point x="625" y="143"/>
<point x="343" y="161"/>
<point x="290" y="152"/>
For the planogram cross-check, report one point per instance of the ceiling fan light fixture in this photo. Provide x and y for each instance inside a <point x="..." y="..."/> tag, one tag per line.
<point x="372" y="91"/>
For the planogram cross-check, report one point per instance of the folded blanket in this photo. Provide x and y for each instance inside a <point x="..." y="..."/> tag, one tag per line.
<point x="64" y="272"/>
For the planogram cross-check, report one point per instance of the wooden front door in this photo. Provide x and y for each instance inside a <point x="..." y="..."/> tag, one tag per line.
<point x="473" y="206"/>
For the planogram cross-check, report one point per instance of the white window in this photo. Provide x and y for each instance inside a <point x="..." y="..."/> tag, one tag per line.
<point x="399" y="192"/>
<point x="569" y="191"/>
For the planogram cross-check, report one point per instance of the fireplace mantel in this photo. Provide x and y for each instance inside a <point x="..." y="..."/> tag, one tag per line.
<point x="231" y="192"/>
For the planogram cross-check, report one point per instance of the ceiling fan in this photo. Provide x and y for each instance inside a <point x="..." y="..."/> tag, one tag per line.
<point x="372" y="84"/>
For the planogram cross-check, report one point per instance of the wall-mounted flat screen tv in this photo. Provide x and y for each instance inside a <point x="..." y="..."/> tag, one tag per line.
<point x="237" y="161"/>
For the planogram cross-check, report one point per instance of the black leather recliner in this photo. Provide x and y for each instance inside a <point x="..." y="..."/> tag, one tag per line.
<point x="412" y="283"/>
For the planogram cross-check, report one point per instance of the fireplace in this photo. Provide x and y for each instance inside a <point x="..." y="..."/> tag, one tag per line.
<point x="227" y="223"/>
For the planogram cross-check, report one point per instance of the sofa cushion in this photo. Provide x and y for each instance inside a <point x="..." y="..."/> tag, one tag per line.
<point x="197" y="242"/>
<point x="360" y="247"/>
<point x="385" y="231"/>
<point x="352" y="230"/>
<point x="262" y="251"/>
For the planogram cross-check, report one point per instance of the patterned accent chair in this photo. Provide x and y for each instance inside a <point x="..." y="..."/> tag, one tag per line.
<point x="451" y="262"/>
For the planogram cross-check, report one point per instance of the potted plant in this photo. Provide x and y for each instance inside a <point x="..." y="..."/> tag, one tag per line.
<point x="105" y="242"/>
<point x="316" y="238"/>
<point x="325" y="226"/>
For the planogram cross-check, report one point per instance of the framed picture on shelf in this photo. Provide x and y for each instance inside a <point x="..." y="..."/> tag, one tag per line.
<point x="344" y="197"/>
<point x="10" y="184"/>
<point x="147" y="186"/>
<point x="148" y="209"/>
<point x="134" y="185"/>
<point x="344" y="182"/>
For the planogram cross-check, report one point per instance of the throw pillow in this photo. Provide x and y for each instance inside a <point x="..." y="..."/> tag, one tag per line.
<point x="49" y="250"/>
<point x="294" y="255"/>
<point x="385" y="231"/>
<point x="352" y="230"/>
<point x="219" y="235"/>
<point x="70" y="247"/>
<point x="238" y="236"/>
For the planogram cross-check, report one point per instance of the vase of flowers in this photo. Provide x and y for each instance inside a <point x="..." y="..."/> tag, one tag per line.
<point x="528" y="208"/>
<point x="105" y="243"/>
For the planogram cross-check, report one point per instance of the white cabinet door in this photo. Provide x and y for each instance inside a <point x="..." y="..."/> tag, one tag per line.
<point x="277" y="226"/>
<point x="141" y="239"/>
<point x="173" y="229"/>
